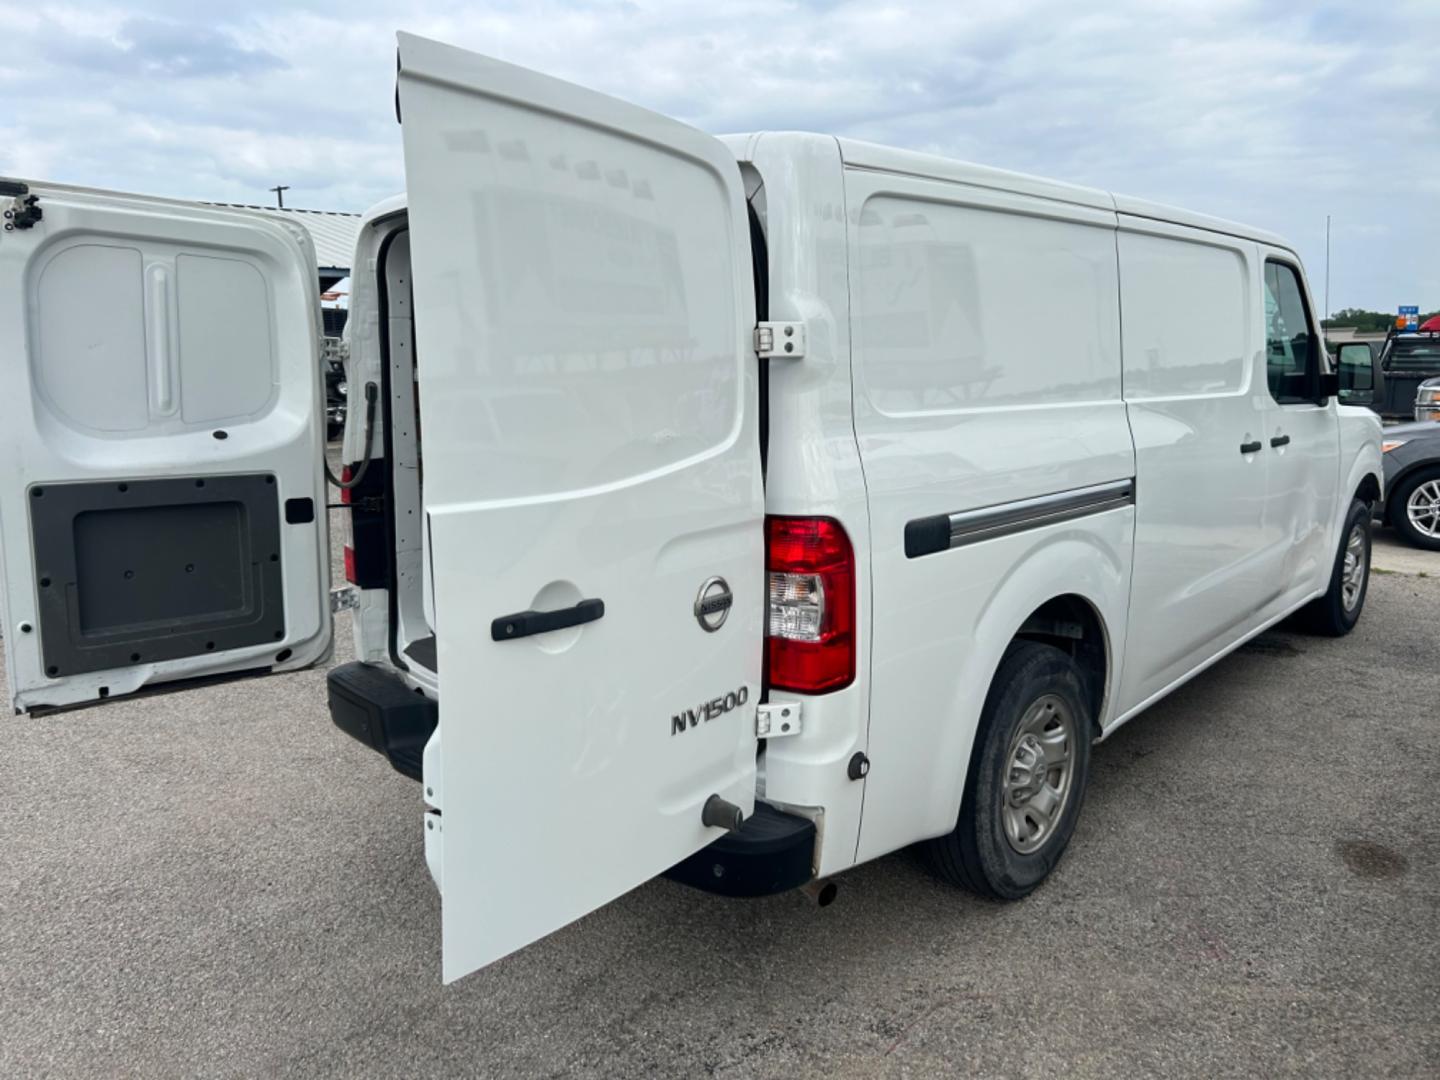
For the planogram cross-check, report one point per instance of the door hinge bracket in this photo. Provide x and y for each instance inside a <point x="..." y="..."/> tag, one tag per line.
<point x="784" y="339"/>
<point x="25" y="210"/>
<point x="334" y="350"/>
<point x="777" y="719"/>
<point x="345" y="598"/>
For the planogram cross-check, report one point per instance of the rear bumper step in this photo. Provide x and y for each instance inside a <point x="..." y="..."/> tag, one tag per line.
<point x="375" y="707"/>
<point x="772" y="852"/>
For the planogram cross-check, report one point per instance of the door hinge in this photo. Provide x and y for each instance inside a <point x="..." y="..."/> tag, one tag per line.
<point x="335" y="350"/>
<point x="777" y="719"/>
<point x="345" y="598"/>
<point x="786" y="339"/>
<point x="25" y="210"/>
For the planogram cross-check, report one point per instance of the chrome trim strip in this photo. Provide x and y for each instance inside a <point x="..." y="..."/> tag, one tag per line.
<point x="926" y="536"/>
<point x="971" y="526"/>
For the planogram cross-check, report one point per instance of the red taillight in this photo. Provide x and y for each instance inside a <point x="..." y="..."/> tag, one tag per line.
<point x="810" y="623"/>
<point x="346" y="474"/>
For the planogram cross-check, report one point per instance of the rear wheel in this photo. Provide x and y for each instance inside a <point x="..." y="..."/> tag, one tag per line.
<point x="1415" y="509"/>
<point x="1336" y="613"/>
<point x="1027" y="776"/>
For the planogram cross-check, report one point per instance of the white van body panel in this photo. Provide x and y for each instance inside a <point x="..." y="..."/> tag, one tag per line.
<point x="1205" y="567"/>
<point x="986" y="346"/>
<point x="583" y="317"/>
<point x="155" y="344"/>
<point x="1361" y="433"/>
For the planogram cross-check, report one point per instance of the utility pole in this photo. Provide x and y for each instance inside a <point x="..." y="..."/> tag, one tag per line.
<point x="1324" y="321"/>
<point x="280" y="190"/>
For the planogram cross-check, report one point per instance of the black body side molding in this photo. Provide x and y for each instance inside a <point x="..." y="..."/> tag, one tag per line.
<point x="927" y="535"/>
<point x="940" y="532"/>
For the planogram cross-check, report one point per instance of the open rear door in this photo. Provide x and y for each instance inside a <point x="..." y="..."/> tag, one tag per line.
<point x="162" y="506"/>
<point x="584" y="313"/>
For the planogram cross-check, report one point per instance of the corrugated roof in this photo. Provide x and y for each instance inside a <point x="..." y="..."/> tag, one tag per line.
<point x="333" y="232"/>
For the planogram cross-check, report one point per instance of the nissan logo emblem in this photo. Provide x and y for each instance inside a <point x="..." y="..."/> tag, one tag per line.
<point x="712" y="605"/>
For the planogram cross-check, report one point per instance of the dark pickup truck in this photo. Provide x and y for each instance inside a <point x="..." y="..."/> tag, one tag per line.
<point x="1406" y="360"/>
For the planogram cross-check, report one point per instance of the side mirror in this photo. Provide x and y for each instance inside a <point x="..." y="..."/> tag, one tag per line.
<point x="1356" y="378"/>
<point x="1329" y="385"/>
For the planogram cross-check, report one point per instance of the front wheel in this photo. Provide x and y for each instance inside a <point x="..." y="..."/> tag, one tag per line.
<point x="1415" y="509"/>
<point x="1336" y="613"/>
<point x="1027" y="777"/>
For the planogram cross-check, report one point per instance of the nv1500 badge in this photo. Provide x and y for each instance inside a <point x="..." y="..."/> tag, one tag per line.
<point x="708" y="710"/>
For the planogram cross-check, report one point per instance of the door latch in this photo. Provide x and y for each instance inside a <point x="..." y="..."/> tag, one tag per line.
<point x="785" y="339"/>
<point x="777" y="719"/>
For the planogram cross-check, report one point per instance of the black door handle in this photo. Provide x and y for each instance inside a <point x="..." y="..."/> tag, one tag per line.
<point x="1250" y="447"/>
<point x="525" y="623"/>
<point x="1280" y="440"/>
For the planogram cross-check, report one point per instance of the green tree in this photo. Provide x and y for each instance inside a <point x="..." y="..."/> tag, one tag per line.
<point x="1367" y="321"/>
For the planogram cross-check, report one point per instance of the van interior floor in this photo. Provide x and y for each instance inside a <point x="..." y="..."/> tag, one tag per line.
<point x="422" y="651"/>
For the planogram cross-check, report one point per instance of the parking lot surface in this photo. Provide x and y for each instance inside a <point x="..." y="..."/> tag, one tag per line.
<point x="219" y="883"/>
<point x="1392" y="555"/>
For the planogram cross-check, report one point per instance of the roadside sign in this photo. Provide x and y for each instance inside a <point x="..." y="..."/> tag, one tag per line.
<point x="1409" y="318"/>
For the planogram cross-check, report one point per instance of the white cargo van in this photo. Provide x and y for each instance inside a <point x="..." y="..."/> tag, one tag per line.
<point x="740" y="508"/>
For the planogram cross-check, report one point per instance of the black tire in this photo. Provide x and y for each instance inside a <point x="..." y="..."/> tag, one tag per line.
<point x="978" y="855"/>
<point x="1400" y="520"/>
<point x="1328" y="614"/>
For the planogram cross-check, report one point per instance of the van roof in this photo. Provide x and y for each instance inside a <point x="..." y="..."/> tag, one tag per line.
<point x="863" y="155"/>
<point x="857" y="154"/>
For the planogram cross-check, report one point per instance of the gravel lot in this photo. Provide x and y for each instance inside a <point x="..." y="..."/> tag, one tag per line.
<point x="219" y="883"/>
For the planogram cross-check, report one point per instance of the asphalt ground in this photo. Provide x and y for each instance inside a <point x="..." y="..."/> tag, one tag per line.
<point x="1390" y="554"/>
<point x="218" y="883"/>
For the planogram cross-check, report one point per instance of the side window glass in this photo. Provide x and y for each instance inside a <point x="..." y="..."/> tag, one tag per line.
<point x="1290" y="356"/>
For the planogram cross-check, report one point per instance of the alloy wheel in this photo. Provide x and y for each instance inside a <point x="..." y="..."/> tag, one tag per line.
<point x="1423" y="509"/>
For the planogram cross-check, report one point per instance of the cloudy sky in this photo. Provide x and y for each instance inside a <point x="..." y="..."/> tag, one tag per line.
<point x="1274" y="112"/>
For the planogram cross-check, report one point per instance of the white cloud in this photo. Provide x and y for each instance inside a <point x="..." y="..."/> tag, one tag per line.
<point x="1260" y="110"/>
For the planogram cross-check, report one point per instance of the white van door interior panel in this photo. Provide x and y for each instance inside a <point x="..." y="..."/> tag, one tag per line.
<point x="583" y="332"/>
<point x="163" y="506"/>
